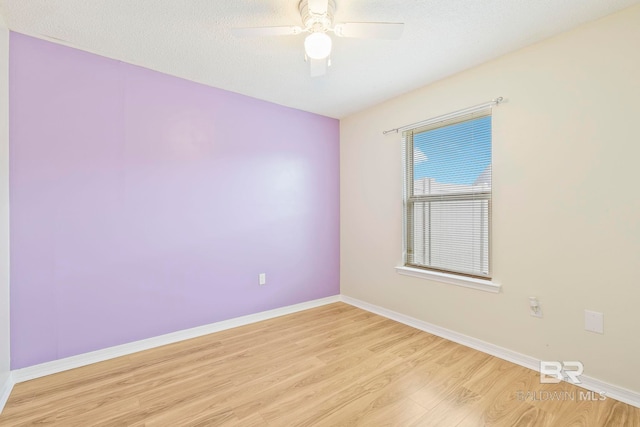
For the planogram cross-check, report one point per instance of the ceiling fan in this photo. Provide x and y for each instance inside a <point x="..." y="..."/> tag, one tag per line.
<point x="317" y="20"/>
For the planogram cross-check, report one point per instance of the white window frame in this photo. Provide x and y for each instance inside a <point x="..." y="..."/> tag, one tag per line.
<point x="458" y="279"/>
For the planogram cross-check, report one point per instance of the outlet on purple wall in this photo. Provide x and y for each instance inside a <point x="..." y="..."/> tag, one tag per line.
<point x="143" y="204"/>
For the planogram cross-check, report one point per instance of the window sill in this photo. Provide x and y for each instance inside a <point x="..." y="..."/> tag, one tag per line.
<point x="452" y="279"/>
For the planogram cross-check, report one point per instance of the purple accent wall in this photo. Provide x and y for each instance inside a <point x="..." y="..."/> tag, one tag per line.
<point x="143" y="204"/>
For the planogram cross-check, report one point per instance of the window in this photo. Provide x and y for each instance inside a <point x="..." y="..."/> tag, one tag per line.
<point x="448" y="196"/>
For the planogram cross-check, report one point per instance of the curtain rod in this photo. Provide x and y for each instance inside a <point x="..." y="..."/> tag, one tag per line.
<point x="432" y="120"/>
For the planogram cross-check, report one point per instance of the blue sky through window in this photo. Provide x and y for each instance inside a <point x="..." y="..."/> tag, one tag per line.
<point x="455" y="154"/>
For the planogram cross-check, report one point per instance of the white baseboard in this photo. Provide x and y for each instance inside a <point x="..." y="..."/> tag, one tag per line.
<point x="6" y="385"/>
<point x="53" y="367"/>
<point x="619" y="393"/>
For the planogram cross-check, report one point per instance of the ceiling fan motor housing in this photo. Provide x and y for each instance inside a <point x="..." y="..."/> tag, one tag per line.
<point x="315" y="22"/>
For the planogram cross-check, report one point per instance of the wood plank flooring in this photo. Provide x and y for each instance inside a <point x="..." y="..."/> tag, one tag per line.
<point x="329" y="366"/>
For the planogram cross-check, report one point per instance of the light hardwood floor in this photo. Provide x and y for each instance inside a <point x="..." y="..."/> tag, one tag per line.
<point x="329" y="366"/>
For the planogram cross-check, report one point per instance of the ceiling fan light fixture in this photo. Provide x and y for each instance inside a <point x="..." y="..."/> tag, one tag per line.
<point x="317" y="45"/>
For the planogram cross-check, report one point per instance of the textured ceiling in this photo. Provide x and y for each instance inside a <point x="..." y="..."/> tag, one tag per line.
<point x="192" y="39"/>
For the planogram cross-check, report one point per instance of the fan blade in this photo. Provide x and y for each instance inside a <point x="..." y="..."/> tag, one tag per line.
<point x="370" y="30"/>
<point x="318" y="67"/>
<point x="266" y="31"/>
<point x="318" y="7"/>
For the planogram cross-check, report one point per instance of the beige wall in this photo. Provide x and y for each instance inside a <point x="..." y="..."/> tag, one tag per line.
<point x="566" y="181"/>
<point x="4" y="203"/>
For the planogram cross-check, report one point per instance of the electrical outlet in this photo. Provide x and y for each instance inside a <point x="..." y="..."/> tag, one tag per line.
<point x="534" y="307"/>
<point x="262" y="278"/>
<point x="594" y="321"/>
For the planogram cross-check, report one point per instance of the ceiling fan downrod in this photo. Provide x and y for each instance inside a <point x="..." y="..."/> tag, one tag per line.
<point x="317" y="16"/>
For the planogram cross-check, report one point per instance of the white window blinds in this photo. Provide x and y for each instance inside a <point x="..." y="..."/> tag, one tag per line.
<point x="448" y="195"/>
